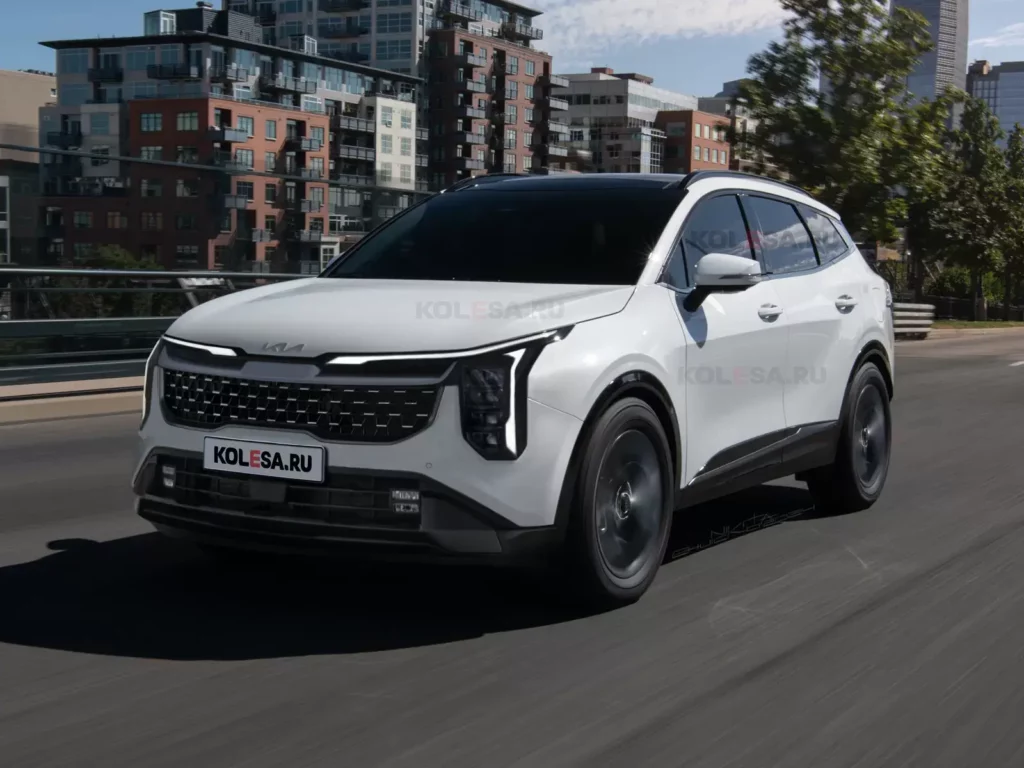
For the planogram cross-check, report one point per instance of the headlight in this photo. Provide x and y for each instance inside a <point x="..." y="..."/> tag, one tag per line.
<point x="493" y="400"/>
<point x="147" y="379"/>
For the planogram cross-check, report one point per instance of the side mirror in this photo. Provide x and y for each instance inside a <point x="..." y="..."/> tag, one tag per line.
<point x="722" y="273"/>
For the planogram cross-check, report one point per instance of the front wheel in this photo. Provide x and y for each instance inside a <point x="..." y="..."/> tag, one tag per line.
<point x="622" y="514"/>
<point x="855" y="480"/>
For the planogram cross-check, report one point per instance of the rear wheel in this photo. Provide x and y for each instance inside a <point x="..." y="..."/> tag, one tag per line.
<point x="622" y="514"/>
<point x="856" y="478"/>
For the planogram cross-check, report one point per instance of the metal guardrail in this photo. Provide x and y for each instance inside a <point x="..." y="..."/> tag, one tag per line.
<point x="913" y="321"/>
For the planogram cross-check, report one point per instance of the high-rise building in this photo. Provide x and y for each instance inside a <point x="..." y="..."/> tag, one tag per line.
<point x="1001" y="87"/>
<point x="492" y="102"/>
<point x="946" y="65"/>
<point x="223" y="151"/>
<point x="612" y="120"/>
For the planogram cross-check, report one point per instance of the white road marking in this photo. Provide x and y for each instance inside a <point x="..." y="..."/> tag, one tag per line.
<point x="1017" y="364"/>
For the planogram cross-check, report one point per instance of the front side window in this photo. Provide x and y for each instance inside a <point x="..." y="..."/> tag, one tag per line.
<point x="591" y="237"/>
<point x="785" y="242"/>
<point x="715" y="226"/>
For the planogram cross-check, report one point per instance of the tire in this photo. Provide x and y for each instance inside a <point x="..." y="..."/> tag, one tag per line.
<point x="855" y="480"/>
<point x="622" y="510"/>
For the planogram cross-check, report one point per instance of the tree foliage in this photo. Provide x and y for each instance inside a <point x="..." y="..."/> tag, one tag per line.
<point x="855" y="142"/>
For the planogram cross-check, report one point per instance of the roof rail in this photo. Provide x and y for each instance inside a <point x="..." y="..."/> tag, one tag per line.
<point x="487" y="178"/>
<point x="694" y="176"/>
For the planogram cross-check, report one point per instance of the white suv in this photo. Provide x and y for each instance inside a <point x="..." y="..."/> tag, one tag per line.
<point x="534" y="369"/>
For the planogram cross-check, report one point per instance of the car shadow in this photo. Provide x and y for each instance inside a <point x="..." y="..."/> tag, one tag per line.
<point x="149" y="597"/>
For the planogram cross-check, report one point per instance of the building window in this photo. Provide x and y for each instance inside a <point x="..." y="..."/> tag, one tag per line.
<point x="387" y="116"/>
<point x="696" y="130"/>
<point x="510" y="139"/>
<point x="271" y="129"/>
<point x="527" y="139"/>
<point x="528" y="115"/>
<point x="529" y="92"/>
<point x="269" y="222"/>
<point x="270" y="161"/>
<point x="714" y="156"/>
<point x="406" y="147"/>
<point x="513" y="65"/>
<point x="707" y="155"/>
<point x="184" y="222"/>
<point x="99" y="124"/>
<point x="83" y="220"/>
<point x="511" y="114"/>
<point x="531" y="67"/>
<point x="188" y="121"/>
<point x="117" y="220"/>
<point x="394" y="23"/>
<point x="386" y="144"/>
<point x="152" y="220"/>
<point x="247" y="124"/>
<point x="696" y="153"/>
<point x="151" y="153"/>
<point x="188" y="254"/>
<point x="528" y="160"/>
<point x="317" y="134"/>
<point x="220" y="255"/>
<point x="270" y="193"/>
<point x="152" y="188"/>
<point x="188" y="154"/>
<point x="187" y="188"/>
<point x="152" y="122"/>
<point x="510" y="163"/>
<point x="405" y="174"/>
<point x="707" y="131"/>
<point x="100" y="150"/>
<point x="384" y="171"/>
<point x="407" y="119"/>
<point x="245" y="157"/>
<point x="245" y="189"/>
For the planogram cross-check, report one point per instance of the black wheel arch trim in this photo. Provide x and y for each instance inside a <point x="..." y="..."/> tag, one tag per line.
<point x="873" y="352"/>
<point x="643" y="385"/>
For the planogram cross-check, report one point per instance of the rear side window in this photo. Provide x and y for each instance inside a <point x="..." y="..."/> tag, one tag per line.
<point x="829" y="240"/>
<point x="715" y="226"/>
<point x="785" y="242"/>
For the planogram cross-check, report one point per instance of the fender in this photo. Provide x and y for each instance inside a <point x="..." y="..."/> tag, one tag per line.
<point x="643" y="386"/>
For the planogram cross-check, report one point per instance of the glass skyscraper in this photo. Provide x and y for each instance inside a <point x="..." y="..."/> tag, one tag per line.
<point x="946" y="65"/>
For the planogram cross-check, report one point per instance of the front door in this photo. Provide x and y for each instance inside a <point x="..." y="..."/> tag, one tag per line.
<point x="734" y="345"/>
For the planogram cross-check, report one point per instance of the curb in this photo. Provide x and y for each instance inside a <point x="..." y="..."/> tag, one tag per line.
<point x="56" y="407"/>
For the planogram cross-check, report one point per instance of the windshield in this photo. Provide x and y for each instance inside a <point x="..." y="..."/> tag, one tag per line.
<point x="565" y="236"/>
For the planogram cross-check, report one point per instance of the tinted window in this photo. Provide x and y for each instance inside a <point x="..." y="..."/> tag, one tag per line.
<point x="785" y="241"/>
<point x="715" y="226"/>
<point x="830" y="242"/>
<point x="573" y="236"/>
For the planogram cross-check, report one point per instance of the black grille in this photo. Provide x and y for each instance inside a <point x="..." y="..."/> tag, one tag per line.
<point x="371" y="414"/>
<point x="344" y="499"/>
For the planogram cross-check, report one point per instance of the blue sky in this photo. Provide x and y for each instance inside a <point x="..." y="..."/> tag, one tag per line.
<point x="687" y="45"/>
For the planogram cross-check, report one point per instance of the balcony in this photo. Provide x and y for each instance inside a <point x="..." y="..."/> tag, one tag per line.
<point x="357" y="124"/>
<point x="306" y="235"/>
<point x="557" y="126"/>
<point x="422" y="160"/>
<point x="311" y="174"/>
<point x="555" y="81"/>
<point x="227" y="135"/>
<point x="471" y="60"/>
<point x="354" y="57"/>
<point x="352" y="180"/>
<point x="456" y="10"/>
<point x="266" y="16"/>
<point x="281" y="82"/>
<point x="228" y="163"/>
<point x="303" y="144"/>
<point x="235" y="202"/>
<point x="552" y="150"/>
<point x="388" y="211"/>
<point x="422" y="134"/>
<point x="471" y="113"/>
<point x="256" y="235"/>
<point x="106" y="75"/>
<point x="356" y="153"/>
<point x="71" y="140"/>
<point x="555" y="103"/>
<point x="517" y="30"/>
<point x="308" y="206"/>
<point x="341" y="31"/>
<point x="173" y="72"/>
<point x="472" y="86"/>
<point x="343" y="6"/>
<point x="469" y="164"/>
<point x="422" y="185"/>
<point x="468" y="137"/>
<point x="230" y="73"/>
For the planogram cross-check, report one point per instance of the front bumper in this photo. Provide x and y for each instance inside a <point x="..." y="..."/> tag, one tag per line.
<point x="470" y="506"/>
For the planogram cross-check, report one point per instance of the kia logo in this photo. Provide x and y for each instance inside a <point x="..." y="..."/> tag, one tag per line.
<point x="282" y="348"/>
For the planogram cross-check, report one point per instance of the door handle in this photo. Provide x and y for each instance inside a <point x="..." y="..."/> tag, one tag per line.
<point x="769" y="311"/>
<point x="845" y="302"/>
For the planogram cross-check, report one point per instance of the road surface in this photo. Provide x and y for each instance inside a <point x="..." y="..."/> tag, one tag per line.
<point x="890" y="638"/>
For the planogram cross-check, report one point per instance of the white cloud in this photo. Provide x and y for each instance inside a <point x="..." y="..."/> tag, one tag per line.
<point x="576" y="30"/>
<point x="1008" y="37"/>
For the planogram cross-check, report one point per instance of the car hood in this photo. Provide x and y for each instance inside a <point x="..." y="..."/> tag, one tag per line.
<point x="339" y="316"/>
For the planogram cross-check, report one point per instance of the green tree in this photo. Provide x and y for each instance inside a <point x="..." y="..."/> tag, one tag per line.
<point x="100" y="297"/>
<point x="1012" y="232"/>
<point x="840" y="143"/>
<point x="973" y="210"/>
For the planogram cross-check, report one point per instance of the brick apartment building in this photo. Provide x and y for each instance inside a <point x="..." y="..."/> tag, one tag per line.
<point x="694" y="141"/>
<point x="199" y="146"/>
<point x="491" y="103"/>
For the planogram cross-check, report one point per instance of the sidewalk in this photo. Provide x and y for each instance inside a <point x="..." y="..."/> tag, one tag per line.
<point x="63" y="400"/>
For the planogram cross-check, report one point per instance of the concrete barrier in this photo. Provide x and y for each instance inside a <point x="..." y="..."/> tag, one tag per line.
<point x="70" y="399"/>
<point x="913" y="321"/>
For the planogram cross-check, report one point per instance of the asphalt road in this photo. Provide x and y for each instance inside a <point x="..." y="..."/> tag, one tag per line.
<point x="890" y="638"/>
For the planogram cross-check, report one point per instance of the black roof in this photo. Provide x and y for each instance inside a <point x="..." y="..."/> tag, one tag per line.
<point x="530" y="182"/>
